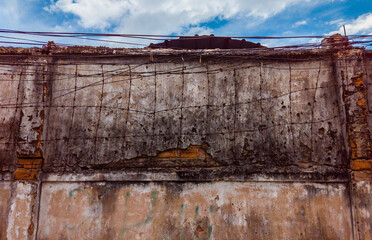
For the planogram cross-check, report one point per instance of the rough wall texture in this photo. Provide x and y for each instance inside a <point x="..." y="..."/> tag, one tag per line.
<point x="5" y="195"/>
<point x="244" y="115"/>
<point x="222" y="210"/>
<point x="139" y="144"/>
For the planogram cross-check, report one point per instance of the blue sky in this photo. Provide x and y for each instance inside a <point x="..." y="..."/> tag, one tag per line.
<point x="186" y="17"/>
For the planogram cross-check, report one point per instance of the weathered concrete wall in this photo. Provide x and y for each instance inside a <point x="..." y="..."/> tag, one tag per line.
<point x="163" y="144"/>
<point x="9" y="122"/>
<point x="363" y="203"/>
<point x="223" y="210"/>
<point x="5" y="196"/>
<point x="271" y="116"/>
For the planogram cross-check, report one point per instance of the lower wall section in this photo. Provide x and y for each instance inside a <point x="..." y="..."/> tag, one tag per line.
<point x="363" y="209"/>
<point x="17" y="209"/>
<point x="218" y="210"/>
<point x="5" y="194"/>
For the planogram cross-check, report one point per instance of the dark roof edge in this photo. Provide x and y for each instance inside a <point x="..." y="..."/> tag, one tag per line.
<point x="88" y="51"/>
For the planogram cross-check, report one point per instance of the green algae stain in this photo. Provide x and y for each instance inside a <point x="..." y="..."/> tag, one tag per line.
<point x="196" y="212"/>
<point x="210" y="229"/>
<point x="71" y="193"/>
<point x="211" y="209"/>
<point x="70" y="228"/>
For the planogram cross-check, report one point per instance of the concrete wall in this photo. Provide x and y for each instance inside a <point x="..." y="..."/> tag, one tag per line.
<point x="221" y="210"/>
<point x="271" y="115"/>
<point x="163" y="144"/>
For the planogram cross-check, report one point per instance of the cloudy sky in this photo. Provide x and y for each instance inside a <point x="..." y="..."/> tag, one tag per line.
<point x="186" y="17"/>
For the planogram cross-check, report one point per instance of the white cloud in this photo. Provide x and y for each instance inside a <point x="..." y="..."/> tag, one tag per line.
<point x="361" y="25"/>
<point x="9" y="12"/>
<point x="164" y="16"/>
<point x="95" y="13"/>
<point x="338" y="22"/>
<point x="299" y="23"/>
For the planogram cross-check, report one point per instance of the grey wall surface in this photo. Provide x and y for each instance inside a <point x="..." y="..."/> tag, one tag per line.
<point x="252" y="115"/>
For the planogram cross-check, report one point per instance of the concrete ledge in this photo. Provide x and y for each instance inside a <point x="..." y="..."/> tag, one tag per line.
<point x="132" y="176"/>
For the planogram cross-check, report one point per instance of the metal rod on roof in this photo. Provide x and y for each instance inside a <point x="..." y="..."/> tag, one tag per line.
<point x="344" y="30"/>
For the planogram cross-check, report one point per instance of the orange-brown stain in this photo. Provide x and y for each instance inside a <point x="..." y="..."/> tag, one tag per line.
<point x="358" y="81"/>
<point x="191" y="152"/>
<point x="362" y="102"/>
<point x="25" y="174"/>
<point x="361" y="165"/>
<point x="352" y="143"/>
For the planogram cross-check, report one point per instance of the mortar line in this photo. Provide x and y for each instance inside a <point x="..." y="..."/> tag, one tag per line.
<point x="128" y="106"/>
<point x="99" y="117"/>
<point x="312" y="113"/>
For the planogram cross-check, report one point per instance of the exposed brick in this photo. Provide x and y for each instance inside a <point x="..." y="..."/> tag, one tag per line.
<point x="24" y="174"/>
<point x="362" y="176"/>
<point x="192" y="152"/>
<point x="30" y="161"/>
<point x="361" y="165"/>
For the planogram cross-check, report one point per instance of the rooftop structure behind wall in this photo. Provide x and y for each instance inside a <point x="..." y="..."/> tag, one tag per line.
<point x="206" y="42"/>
